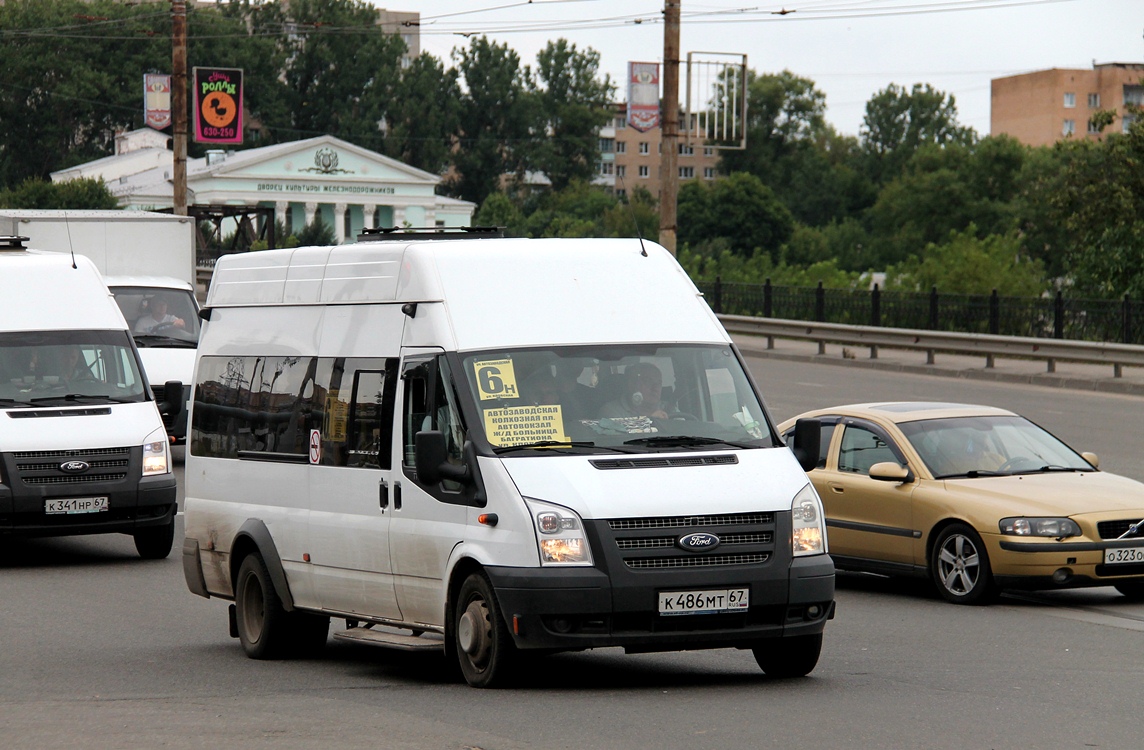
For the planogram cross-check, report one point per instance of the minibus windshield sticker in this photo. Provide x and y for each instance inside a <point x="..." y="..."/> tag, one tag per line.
<point x="518" y="425"/>
<point x="315" y="446"/>
<point x="337" y="412"/>
<point x="496" y="379"/>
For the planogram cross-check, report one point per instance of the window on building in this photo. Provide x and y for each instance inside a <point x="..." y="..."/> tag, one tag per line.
<point x="685" y="150"/>
<point x="1068" y="128"/>
<point x="644" y="147"/>
<point x="1134" y="95"/>
<point x="709" y="173"/>
<point x="621" y="122"/>
<point x="622" y="194"/>
<point x="1127" y="121"/>
<point x="606" y="167"/>
<point x="644" y="171"/>
<point x="708" y="151"/>
<point x="621" y="170"/>
<point x="686" y="173"/>
<point x="607" y="145"/>
<point x="1070" y="99"/>
<point x="1092" y="128"/>
<point x="1093" y="101"/>
<point x="621" y="147"/>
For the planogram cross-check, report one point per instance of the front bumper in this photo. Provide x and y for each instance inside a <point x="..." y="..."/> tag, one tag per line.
<point x="1034" y="564"/>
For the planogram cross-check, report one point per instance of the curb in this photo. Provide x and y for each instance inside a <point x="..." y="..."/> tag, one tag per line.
<point x="1043" y="379"/>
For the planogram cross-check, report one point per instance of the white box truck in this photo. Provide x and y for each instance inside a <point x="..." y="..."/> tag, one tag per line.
<point x="82" y="447"/>
<point x="143" y="256"/>
<point x="490" y="448"/>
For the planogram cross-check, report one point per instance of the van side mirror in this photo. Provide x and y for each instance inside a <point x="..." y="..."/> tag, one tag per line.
<point x="172" y="396"/>
<point x="432" y="457"/>
<point x="807" y="435"/>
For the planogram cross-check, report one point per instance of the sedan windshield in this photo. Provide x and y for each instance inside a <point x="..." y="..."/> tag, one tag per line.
<point x="627" y="398"/>
<point x="57" y="367"/>
<point x="989" y="446"/>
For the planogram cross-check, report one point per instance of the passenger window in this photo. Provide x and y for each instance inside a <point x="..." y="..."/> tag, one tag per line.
<point x="861" y="448"/>
<point x="370" y="418"/>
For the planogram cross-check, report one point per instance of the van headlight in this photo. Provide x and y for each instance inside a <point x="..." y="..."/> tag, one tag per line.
<point x="808" y="523"/>
<point x="559" y="534"/>
<point x="156" y="454"/>
<point x="1055" y="527"/>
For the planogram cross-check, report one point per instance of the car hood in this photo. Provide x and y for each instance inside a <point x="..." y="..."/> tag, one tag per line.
<point x="1052" y="494"/>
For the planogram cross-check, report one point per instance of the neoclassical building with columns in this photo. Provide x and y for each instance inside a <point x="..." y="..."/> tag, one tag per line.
<point x="349" y="187"/>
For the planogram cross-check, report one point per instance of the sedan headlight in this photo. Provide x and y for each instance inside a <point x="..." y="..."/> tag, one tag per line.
<point x="1056" y="527"/>
<point x="808" y="523"/>
<point x="156" y="454"/>
<point x="559" y="534"/>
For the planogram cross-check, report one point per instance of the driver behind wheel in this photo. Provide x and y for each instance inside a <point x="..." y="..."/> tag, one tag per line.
<point x="643" y="384"/>
<point x="157" y="318"/>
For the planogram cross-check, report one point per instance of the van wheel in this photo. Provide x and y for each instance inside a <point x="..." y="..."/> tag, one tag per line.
<point x="155" y="542"/>
<point x="796" y="656"/>
<point x="262" y="622"/>
<point x="960" y="568"/>
<point x="481" y="639"/>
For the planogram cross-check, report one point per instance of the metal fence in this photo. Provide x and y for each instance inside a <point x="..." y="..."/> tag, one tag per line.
<point x="1057" y="317"/>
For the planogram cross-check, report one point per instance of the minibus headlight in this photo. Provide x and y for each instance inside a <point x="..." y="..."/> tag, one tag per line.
<point x="559" y="534"/>
<point x="808" y="523"/>
<point x="156" y="454"/>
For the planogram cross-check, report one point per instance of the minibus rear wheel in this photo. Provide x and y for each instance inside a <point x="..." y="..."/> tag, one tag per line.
<point x="262" y="622"/>
<point x="484" y="646"/>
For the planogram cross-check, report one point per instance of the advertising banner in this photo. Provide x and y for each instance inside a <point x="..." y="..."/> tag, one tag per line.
<point x="156" y="100"/>
<point x="643" y="95"/>
<point x="218" y="105"/>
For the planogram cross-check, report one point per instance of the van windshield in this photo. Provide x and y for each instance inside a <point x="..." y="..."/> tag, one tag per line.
<point x="159" y="316"/>
<point x="629" y="397"/>
<point x="58" y="367"/>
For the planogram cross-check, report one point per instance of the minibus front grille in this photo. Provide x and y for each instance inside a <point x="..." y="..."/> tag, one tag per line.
<point x="662" y="462"/>
<point x="81" y="479"/>
<point x="81" y="453"/>
<point x="695" y="561"/>
<point x="687" y="522"/>
<point x="46" y="468"/>
<point x="666" y="542"/>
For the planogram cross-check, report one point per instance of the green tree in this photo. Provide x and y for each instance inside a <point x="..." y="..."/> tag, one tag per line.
<point x="498" y="210"/>
<point x="570" y="103"/>
<point x="494" y="119"/>
<point x="967" y="264"/>
<point x="899" y="122"/>
<point x="424" y="116"/>
<point x="81" y="194"/>
<point x="738" y="208"/>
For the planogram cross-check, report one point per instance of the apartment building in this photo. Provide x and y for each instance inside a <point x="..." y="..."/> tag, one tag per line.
<point x="1046" y="106"/>
<point x="630" y="158"/>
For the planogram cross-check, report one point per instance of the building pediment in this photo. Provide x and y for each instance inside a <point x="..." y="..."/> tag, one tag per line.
<point x="324" y="157"/>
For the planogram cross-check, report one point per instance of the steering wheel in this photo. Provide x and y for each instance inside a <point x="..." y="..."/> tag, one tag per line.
<point x="685" y="416"/>
<point x="1015" y="461"/>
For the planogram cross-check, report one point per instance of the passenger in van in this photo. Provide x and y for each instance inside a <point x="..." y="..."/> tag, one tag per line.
<point x="643" y="384"/>
<point x="156" y="318"/>
<point x="541" y="387"/>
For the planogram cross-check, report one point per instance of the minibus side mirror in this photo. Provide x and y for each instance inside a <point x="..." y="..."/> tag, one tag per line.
<point x="432" y="457"/>
<point x="807" y="434"/>
<point x="172" y="397"/>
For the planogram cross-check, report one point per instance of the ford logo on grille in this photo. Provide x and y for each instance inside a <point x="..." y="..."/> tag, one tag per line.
<point x="698" y="541"/>
<point x="74" y="467"/>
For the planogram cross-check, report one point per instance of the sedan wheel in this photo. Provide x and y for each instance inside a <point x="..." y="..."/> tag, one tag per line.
<point x="959" y="566"/>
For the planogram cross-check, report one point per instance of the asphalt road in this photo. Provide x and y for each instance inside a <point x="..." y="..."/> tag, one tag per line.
<point x="103" y="650"/>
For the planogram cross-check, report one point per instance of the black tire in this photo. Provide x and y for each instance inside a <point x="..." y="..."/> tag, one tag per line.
<point x="484" y="647"/>
<point x="263" y="625"/>
<point x="155" y="542"/>
<point x="1134" y="590"/>
<point x="783" y="658"/>
<point x="959" y="567"/>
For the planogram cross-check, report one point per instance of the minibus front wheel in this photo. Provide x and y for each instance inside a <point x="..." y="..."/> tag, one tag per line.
<point x="484" y="646"/>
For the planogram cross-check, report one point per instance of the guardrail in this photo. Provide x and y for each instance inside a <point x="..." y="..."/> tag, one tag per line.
<point x="988" y="346"/>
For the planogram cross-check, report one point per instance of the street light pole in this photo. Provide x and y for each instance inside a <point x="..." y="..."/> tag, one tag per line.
<point x="179" y="103"/>
<point x="669" y="158"/>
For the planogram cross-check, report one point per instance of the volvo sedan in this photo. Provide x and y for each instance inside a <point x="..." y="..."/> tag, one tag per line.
<point x="976" y="498"/>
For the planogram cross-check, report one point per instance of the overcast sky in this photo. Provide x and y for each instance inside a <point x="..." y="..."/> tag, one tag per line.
<point x="850" y="48"/>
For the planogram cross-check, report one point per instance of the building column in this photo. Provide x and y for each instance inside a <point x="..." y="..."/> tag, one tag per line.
<point x="398" y="216"/>
<point x="430" y="217"/>
<point x="340" y="222"/>
<point x="282" y="214"/>
<point x="368" y="214"/>
<point x="311" y="209"/>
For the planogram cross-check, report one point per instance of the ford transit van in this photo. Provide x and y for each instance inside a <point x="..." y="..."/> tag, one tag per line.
<point x="82" y="447"/>
<point x="493" y="447"/>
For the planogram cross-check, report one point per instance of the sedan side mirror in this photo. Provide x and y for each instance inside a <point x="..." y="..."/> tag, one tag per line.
<point x="1092" y="458"/>
<point x="806" y="444"/>
<point x="888" y="471"/>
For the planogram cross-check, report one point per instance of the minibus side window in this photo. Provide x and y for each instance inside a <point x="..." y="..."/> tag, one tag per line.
<point x="430" y="405"/>
<point x="371" y="417"/>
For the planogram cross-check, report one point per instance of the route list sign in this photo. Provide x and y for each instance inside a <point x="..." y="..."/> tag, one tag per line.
<point x="218" y="105"/>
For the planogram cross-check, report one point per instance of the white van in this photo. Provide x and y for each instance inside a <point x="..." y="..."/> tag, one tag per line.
<point x="82" y="448"/>
<point x="163" y="317"/>
<point x="490" y="447"/>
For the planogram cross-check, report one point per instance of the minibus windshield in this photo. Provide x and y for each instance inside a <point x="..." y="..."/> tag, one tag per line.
<point x="159" y="316"/>
<point x="57" y="367"/>
<point x="633" y="397"/>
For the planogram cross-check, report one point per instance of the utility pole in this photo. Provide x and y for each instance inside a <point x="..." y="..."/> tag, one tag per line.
<point x="669" y="157"/>
<point x="179" y="103"/>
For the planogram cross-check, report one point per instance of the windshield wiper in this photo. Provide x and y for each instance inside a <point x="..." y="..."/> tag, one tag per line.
<point x="665" y="441"/>
<point x="151" y="339"/>
<point x="76" y="397"/>
<point x="1050" y="468"/>
<point x="14" y="402"/>
<point x="974" y="474"/>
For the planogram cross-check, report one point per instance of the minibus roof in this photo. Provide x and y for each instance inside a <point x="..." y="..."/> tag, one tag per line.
<point x="42" y="291"/>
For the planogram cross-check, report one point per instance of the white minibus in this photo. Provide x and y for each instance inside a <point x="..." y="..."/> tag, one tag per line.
<point x="493" y="448"/>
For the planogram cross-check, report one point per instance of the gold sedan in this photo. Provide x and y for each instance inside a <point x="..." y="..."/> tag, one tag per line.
<point x="976" y="498"/>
